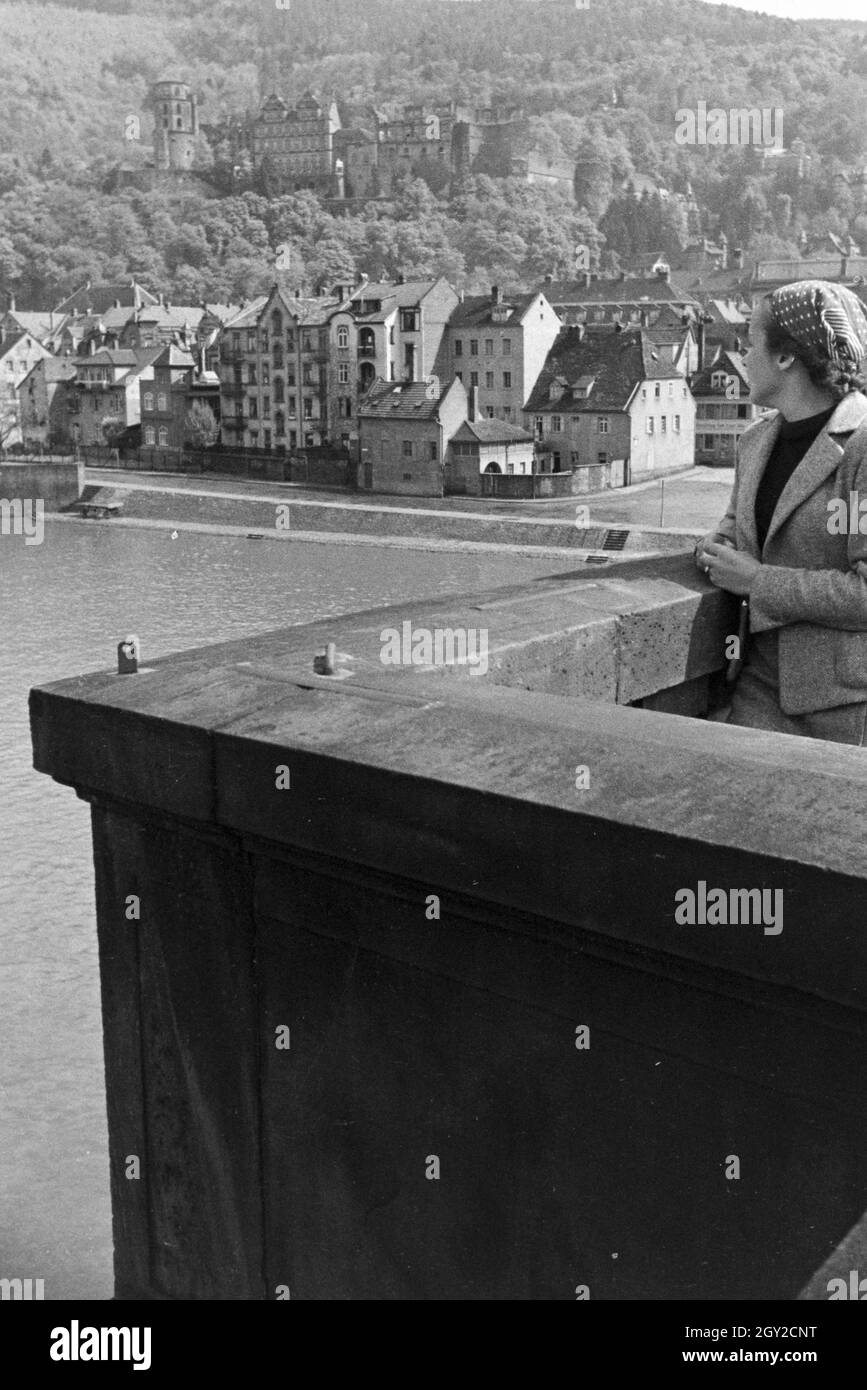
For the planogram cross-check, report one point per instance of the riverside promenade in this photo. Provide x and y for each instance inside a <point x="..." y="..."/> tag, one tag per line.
<point x="626" y="523"/>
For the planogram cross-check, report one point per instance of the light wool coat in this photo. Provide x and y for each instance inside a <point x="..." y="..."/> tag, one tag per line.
<point x="812" y="585"/>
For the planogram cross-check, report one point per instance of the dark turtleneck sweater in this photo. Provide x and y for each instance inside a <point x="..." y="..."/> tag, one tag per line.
<point x="793" y="441"/>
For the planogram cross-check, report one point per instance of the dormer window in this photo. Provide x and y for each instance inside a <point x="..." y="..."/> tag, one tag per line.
<point x="556" y="389"/>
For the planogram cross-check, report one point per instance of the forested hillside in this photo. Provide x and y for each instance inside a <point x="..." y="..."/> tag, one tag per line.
<point x="72" y="74"/>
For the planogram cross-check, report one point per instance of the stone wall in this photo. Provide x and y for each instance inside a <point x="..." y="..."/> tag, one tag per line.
<point x="376" y="911"/>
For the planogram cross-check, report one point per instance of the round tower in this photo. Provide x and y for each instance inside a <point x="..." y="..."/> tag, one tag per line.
<point x="176" y="125"/>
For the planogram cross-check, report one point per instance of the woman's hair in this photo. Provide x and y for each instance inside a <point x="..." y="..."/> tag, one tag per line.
<point x="823" y="373"/>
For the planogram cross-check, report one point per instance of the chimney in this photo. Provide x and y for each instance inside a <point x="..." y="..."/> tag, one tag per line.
<point x="473" y="403"/>
<point x="496" y="297"/>
<point x="844" y="265"/>
<point x="582" y="329"/>
<point x="12" y="304"/>
<point x="701" y="344"/>
<point x="642" y="317"/>
<point x="117" y="304"/>
<point x="587" y="278"/>
<point x="549" y="278"/>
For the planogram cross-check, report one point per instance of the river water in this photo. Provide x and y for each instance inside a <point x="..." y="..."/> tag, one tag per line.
<point x="64" y="605"/>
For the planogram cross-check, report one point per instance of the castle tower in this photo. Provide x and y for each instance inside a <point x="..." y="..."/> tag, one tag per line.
<point x="176" y="125"/>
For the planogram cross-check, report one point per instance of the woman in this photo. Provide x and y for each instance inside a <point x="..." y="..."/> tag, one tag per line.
<point x="781" y="543"/>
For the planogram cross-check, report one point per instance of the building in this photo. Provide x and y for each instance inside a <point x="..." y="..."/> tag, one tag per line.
<point x="628" y="299"/>
<point x="106" y="386"/>
<point x="723" y="409"/>
<point x="19" y="353"/>
<point x="606" y="403"/>
<point x="392" y="330"/>
<point x="43" y="402"/>
<point x="675" y="339"/>
<point x="297" y="143"/>
<point x="166" y="398"/>
<point x="405" y="432"/>
<point x="499" y="343"/>
<point x="97" y="299"/>
<point x="483" y="445"/>
<point x="274" y="372"/>
<point x="350" y="151"/>
<point x="176" y="125"/>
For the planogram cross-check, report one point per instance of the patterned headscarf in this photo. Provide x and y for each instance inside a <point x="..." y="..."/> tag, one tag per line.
<point x="825" y="317"/>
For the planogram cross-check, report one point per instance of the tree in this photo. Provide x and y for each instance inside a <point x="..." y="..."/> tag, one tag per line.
<point x="200" y="426"/>
<point x="112" y="427"/>
<point x="8" y="423"/>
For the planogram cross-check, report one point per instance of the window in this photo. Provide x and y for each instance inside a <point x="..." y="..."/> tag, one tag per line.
<point x="489" y="411"/>
<point x="266" y="407"/>
<point x="539" y="425"/>
<point x="308" y="408"/>
<point x="650" y="424"/>
<point x="161" y="401"/>
<point x="290" y="406"/>
<point x="602" y="456"/>
<point x="407" y="448"/>
<point x="236" y="342"/>
<point x="343" y="336"/>
<point x="407" y="477"/>
<point x="251" y="342"/>
<point x="489" y="347"/>
<point x="251" y="373"/>
<point x="459" y="376"/>
<point x="279" y="423"/>
<point x="150" y="435"/>
<point x="409" y="320"/>
<point x="266" y="374"/>
<point x="709" y="441"/>
<point x="474" y="378"/>
<point x="644" y="393"/>
<point x="264" y="340"/>
<point x="276" y="323"/>
<point x="507" y="380"/>
<point x="253" y="408"/>
<point x="278" y="390"/>
<point x="602" y="424"/>
<point x="149" y="400"/>
<point x="343" y="373"/>
<point x="509" y="413"/>
<point x="677" y="424"/>
<point x="489" y="380"/>
<point x="459" y="347"/>
<point x="163" y="436"/>
<point x="663" y="424"/>
<point x="507" y="347"/>
<point x="474" y="347"/>
<point x="290" y="340"/>
<point x="306" y="342"/>
<point x="432" y="450"/>
<point x="657" y="391"/>
<point x="742" y="412"/>
<point x="556" y="423"/>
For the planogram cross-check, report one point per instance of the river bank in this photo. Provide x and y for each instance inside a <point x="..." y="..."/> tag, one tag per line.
<point x="277" y="512"/>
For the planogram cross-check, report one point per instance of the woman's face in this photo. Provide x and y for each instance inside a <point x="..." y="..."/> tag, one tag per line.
<point x="764" y="373"/>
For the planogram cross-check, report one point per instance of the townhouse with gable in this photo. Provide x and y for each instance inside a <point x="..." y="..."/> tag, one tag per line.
<point x="606" y="404"/>
<point x="498" y="343"/>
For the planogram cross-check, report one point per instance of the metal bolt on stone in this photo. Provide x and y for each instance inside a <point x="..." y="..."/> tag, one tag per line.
<point x="323" y="662"/>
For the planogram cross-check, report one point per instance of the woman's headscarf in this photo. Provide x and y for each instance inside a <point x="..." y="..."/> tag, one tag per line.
<point x="828" y="318"/>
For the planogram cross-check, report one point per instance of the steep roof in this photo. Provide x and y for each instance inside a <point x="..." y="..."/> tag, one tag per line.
<point x="407" y="400"/>
<point x="729" y="362"/>
<point x="477" y="310"/>
<point x="616" y="362"/>
<point x="101" y="297"/>
<point x="486" y="431"/>
<point x="634" y="290"/>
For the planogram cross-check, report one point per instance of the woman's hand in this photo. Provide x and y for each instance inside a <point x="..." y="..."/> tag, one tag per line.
<point x="727" y="567"/>
<point x="711" y="538"/>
